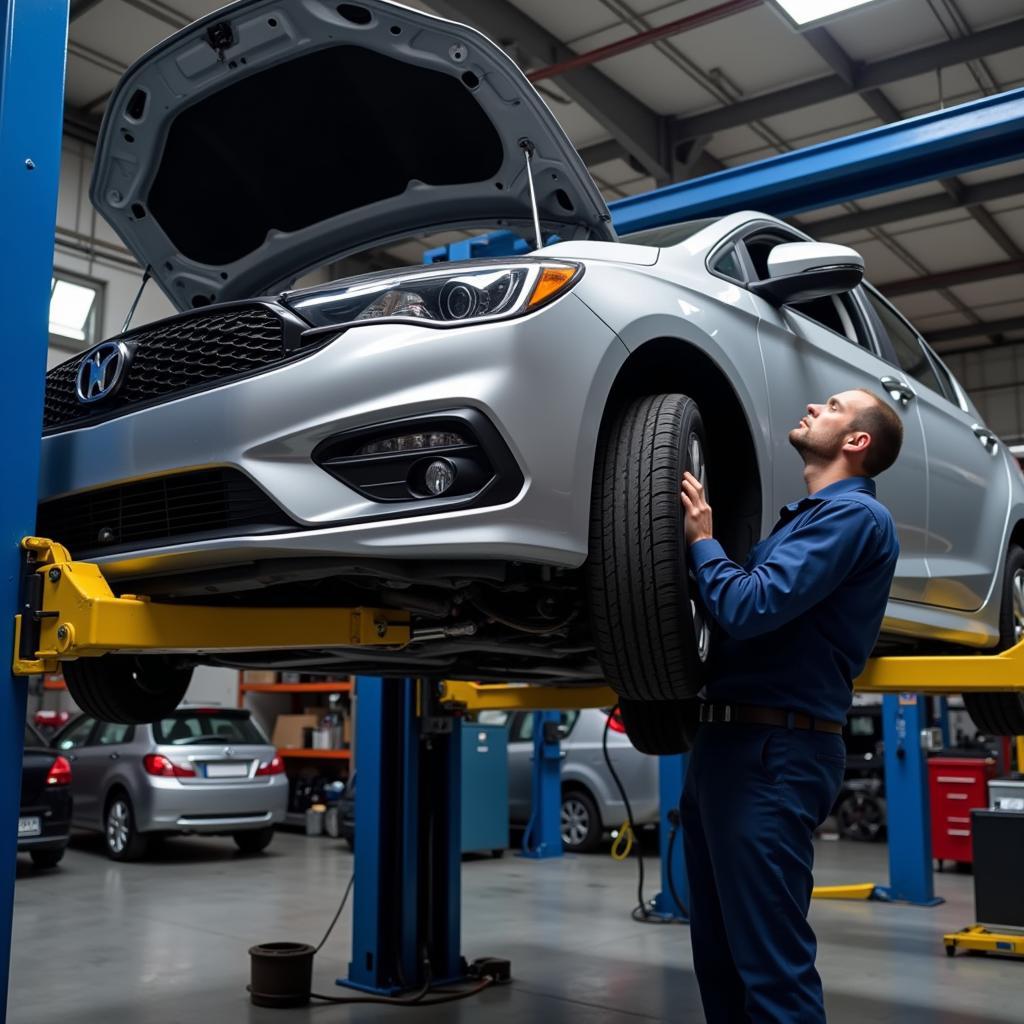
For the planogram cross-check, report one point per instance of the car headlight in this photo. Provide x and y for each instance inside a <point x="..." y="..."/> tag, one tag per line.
<point x="444" y="297"/>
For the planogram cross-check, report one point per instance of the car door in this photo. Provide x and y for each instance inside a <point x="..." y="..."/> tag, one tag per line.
<point x="520" y="765"/>
<point x="109" y="748"/>
<point x="73" y="743"/>
<point x="813" y="350"/>
<point x="968" y="477"/>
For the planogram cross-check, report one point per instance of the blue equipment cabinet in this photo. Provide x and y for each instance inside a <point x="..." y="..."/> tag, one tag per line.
<point x="484" y="787"/>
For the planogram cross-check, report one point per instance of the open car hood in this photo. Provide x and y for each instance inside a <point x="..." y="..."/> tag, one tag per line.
<point x="273" y="136"/>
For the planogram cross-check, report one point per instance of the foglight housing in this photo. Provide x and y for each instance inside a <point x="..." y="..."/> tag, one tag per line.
<point x="454" y="295"/>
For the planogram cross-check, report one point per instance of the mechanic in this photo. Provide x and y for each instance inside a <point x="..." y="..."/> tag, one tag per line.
<point x="800" y="619"/>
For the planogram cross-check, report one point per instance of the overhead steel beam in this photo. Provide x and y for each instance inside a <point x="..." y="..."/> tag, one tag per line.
<point x="972" y="195"/>
<point x="924" y="148"/>
<point x="1011" y="325"/>
<point x="864" y="77"/>
<point x="78" y="7"/>
<point x="642" y="133"/>
<point x="646" y="38"/>
<point x="952" y="278"/>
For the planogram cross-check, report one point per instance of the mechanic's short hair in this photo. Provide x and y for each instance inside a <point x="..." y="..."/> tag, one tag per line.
<point x="886" y="429"/>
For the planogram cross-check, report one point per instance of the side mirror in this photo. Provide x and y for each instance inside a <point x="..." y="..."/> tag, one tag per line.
<point x="801" y="271"/>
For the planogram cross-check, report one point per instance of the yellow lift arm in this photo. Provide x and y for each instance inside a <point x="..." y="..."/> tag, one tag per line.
<point x="69" y="611"/>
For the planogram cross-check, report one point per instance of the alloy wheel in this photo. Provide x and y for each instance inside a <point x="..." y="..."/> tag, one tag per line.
<point x="1017" y="590"/>
<point x="575" y="819"/>
<point x="118" y="824"/>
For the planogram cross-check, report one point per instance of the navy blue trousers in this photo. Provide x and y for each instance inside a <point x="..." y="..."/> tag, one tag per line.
<point x="753" y="798"/>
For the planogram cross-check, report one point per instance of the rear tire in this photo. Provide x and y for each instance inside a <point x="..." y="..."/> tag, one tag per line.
<point x="580" y="823"/>
<point x="861" y="817"/>
<point x="659" y="726"/>
<point x="652" y="639"/>
<point x="254" y="840"/>
<point x="122" y="839"/>
<point x="126" y="688"/>
<point x="1002" y="714"/>
<point x="46" y="858"/>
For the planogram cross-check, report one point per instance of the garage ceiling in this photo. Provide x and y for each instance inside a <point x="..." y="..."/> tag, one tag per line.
<point x="734" y="84"/>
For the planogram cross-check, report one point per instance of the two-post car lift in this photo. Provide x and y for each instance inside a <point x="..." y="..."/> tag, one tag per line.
<point x="406" y="904"/>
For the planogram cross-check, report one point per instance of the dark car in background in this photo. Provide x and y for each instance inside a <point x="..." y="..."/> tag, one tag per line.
<point x="44" y="819"/>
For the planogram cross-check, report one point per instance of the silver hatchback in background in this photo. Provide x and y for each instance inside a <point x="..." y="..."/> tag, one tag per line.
<point x="206" y="770"/>
<point x="591" y="804"/>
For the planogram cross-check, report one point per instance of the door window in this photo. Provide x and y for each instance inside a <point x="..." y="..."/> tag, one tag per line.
<point x="728" y="265"/>
<point x="840" y="315"/>
<point x="111" y="732"/>
<point x="77" y="734"/>
<point x="910" y="353"/>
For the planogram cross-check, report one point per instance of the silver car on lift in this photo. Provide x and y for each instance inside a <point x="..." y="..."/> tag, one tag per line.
<point x="494" y="446"/>
<point x="200" y="770"/>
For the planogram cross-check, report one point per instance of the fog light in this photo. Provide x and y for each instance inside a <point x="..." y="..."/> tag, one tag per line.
<point x="440" y="475"/>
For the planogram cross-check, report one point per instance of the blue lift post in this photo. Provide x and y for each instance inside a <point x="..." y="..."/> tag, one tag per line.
<point x="406" y="898"/>
<point x="904" y="718"/>
<point x="671" y="778"/>
<point x="543" y="838"/>
<point x="33" y="44"/>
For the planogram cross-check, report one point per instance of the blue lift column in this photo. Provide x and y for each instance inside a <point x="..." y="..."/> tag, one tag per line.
<point x="406" y="899"/>
<point x="543" y="838"/>
<point x="904" y="718"/>
<point x="674" y="899"/>
<point x="33" y="43"/>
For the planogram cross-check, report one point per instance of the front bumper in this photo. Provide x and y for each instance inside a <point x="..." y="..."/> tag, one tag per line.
<point x="541" y="380"/>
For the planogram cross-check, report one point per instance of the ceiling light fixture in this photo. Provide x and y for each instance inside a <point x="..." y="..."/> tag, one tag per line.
<point x="803" y="14"/>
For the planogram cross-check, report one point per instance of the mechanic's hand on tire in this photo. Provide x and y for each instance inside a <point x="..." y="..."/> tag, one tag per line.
<point x="697" y="518"/>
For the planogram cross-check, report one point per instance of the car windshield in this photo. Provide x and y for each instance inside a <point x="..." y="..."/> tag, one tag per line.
<point x="670" y="234"/>
<point x="207" y="725"/>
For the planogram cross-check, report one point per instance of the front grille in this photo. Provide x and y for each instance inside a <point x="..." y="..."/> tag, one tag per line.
<point x="186" y="353"/>
<point x="176" y="508"/>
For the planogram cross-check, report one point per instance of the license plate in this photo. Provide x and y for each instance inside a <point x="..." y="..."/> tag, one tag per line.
<point x="29" y="827"/>
<point x="227" y="770"/>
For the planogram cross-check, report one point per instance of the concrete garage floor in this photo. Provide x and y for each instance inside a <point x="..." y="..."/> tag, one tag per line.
<point x="164" y="941"/>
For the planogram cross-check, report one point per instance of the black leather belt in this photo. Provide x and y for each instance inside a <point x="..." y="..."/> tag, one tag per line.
<point x="746" y="714"/>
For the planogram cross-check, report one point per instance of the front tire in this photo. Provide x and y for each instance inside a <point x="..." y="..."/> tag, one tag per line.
<point x="122" y="839"/>
<point x="126" y="688"/>
<point x="46" y="858"/>
<point x="652" y="636"/>
<point x="254" y="840"/>
<point x="660" y="727"/>
<point x="1002" y="714"/>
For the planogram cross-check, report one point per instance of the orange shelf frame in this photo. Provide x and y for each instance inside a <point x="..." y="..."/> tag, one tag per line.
<point x="336" y="687"/>
<point x="342" y="755"/>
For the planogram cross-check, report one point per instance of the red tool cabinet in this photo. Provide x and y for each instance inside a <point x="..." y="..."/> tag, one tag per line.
<point x="956" y="784"/>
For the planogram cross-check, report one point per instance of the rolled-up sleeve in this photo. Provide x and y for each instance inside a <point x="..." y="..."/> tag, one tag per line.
<point x="801" y="571"/>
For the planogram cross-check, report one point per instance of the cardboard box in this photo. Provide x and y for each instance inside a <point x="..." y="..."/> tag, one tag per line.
<point x="260" y="676"/>
<point x="288" y="729"/>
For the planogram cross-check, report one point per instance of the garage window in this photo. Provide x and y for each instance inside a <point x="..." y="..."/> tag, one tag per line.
<point x="74" y="310"/>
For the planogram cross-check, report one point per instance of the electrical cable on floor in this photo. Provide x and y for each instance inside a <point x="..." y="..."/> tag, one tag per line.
<point x="341" y="907"/>
<point x="641" y="912"/>
<point x="417" y="998"/>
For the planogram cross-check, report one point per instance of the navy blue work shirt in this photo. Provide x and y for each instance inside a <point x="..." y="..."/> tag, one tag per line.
<point x="803" y="613"/>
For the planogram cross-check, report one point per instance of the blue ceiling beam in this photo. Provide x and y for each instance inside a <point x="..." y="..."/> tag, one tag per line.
<point x="924" y="148"/>
<point x="931" y="146"/>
